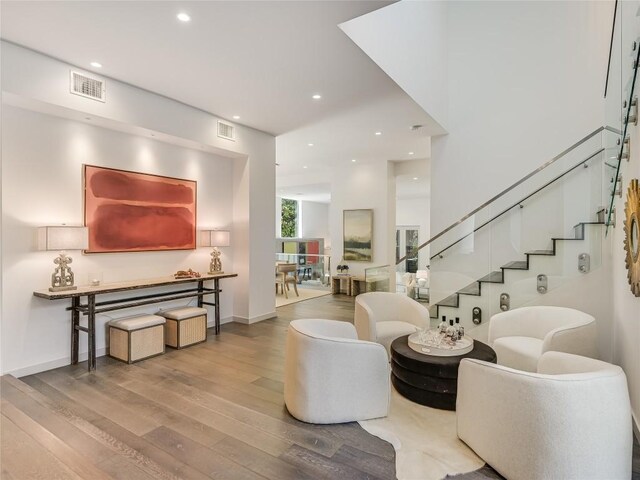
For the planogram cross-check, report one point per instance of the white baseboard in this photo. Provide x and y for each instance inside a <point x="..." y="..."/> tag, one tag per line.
<point x="259" y="318"/>
<point x="61" y="362"/>
<point x="82" y="357"/>
<point x="212" y="323"/>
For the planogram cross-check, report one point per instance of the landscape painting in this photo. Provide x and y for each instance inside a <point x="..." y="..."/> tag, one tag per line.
<point x="358" y="234"/>
<point x="135" y="212"/>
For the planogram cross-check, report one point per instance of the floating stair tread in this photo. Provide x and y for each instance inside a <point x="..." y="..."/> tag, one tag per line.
<point x="516" y="265"/>
<point x="450" y="301"/>
<point x="471" y="289"/>
<point x="493" y="277"/>
<point x="541" y="252"/>
<point x="587" y="223"/>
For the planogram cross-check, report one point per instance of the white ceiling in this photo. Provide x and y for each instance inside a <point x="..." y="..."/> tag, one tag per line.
<point x="261" y="60"/>
<point x="317" y="192"/>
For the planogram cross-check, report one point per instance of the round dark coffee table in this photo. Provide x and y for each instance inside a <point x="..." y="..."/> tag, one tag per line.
<point x="427" y="379"/>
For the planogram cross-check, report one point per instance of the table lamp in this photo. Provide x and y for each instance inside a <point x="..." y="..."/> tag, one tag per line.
<point x="62" y="238"/>
<point x="215" y="239"/>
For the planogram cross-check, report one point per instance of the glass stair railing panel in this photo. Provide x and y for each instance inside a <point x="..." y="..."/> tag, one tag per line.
<point x="413" y="280"/>
<point x="484" y="241"/>
<point x="535" y="239"/>
<point x="378" y="279"/>
<point x="625" y="58"/>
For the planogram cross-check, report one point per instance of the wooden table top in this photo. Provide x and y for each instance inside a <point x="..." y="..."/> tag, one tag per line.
<point x="123" y="286"/>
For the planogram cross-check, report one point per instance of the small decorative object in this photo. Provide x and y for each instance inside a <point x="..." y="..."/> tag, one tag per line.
<point x="95" y="278"/>
<point x="215" y="239"/>
<point x="632" y="236"/>
<point x="342" y="269"/>
<point x="62" y="238"/>
<point x="186" y="274"/>
<point x="358" y="235"/>
<point x="432" y="342"/>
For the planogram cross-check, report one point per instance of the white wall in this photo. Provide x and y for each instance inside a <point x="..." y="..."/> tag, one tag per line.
<point x="42" y="184"/>
<point x="408" y="40"/>
<point x="363" y="186"/>
<point x="39" y="83"/>
<point x="526" y="81"/>
<point x="315" y="221"/>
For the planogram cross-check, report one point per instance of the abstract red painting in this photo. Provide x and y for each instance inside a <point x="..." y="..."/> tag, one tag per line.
<point x="136" y="212"/>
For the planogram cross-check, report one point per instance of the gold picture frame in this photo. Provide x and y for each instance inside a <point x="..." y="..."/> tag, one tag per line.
<point x="632" y="236"/>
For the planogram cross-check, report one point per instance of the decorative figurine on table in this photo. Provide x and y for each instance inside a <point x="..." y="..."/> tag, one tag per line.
<point x="186" y="274"/>
<point x="215" y="267"/>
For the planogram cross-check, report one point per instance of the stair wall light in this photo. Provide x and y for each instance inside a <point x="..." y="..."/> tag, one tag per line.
<point x="504" y="302"/>
<point x="476" y="315"/>
<point x="584" y="263"/>
<point x="542" y="284"/>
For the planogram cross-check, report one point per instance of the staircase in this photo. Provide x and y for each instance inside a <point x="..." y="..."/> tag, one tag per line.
<point x="521" y="236"/>
<point x="453" y="302"/>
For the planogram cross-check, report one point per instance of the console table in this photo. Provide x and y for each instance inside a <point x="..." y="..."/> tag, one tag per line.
<point x="91" y="308"/>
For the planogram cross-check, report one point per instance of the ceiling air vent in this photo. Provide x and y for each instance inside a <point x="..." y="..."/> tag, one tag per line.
<point x="87" y="87"/>
<point x="226" y="131"/>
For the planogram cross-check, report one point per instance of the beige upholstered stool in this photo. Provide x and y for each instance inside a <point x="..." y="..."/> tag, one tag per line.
<point x="185" y="326"/>
<point x="135" y="338"/>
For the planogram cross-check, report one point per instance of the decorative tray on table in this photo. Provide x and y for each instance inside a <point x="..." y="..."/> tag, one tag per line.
<point x="433" y="343"/>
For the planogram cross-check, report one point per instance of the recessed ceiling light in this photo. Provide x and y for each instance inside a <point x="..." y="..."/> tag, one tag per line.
<point x="310" y="144"/>
<point x="304" y="166"/>
<point x="96" y="64"/>
<point x="317" y="96"/>
<point x="236" y="117"/>
<point x="415" y="178"/>
<point x="183" y="17"/>
<point x="378" y="133"/>
<point x="353" y="160"/>
<point x="410" y="153"/>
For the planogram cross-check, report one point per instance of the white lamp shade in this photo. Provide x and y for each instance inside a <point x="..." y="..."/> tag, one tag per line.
<point x="214" y="238"/>
<point x="63" y="238"/>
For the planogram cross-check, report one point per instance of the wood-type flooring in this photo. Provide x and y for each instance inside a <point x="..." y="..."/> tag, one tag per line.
<point x="214" y="410"/>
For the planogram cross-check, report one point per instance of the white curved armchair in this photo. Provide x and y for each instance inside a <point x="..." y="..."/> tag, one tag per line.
<point x="331" y="376"/>
<point x="383" y="316"/>
<point x="522" y="335"/>
<point x="571" y="420"/>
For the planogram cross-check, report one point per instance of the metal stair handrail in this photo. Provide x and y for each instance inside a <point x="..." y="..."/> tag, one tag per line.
<point x="511" y="187"/>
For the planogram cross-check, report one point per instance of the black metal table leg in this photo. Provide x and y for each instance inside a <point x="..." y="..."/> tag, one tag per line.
<point x="216" y="296"/>
<point x="200" y="290"/>
<point x="75" y="333"/>
<point x="91" y="332"/>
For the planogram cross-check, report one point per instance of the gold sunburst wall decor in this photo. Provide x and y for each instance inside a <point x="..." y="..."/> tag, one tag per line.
<point x="632" y="236"/>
